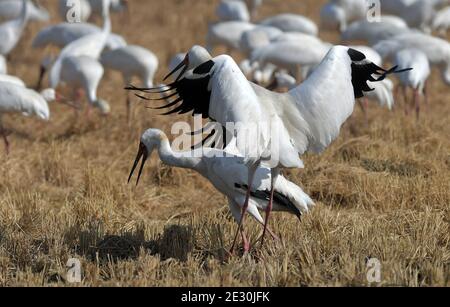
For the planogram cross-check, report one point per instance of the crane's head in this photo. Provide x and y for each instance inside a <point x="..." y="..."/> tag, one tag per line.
<point x="49" y="95"/>
<point x="194" y="58"/>
<point x="150" y="140"/>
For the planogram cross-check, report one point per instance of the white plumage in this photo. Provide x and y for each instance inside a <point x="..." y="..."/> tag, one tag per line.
<point x="415" y="79"/>
<point x="437" y="50"/>
<point x="257" y="37"/>
<point x="273" y="129"/>
<point x="292" y="23"/>
<point x="11" y="31"/>
<point x="338" y="14"/>
<point x="233" y="10"/>
<point x="15" y="98"/>
<point x="60" y="35"/>
<point x="416" y="13"/>
<point x="228" y="173"/>
<point x="441" y="21"/>
<point x="132" y="61"/>
<point x="90" y="45"/>
<point x="12" y="79"/>
<point x="227" y="34"/>
<point x="11" y="9"/>
<point x="372" y="32"/>
<point x="84" y="73"/>
<point x="292" y="54"/>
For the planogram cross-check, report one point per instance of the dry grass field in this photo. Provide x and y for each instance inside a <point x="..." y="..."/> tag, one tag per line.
<point x="382" y="191"/>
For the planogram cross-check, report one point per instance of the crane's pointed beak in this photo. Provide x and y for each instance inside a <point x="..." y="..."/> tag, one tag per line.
<point x="142" y="153"/>
<point x="184" y="64"/>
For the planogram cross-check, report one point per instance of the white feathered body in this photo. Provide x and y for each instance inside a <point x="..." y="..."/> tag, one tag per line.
<point x="17" y="99"/>
<point x="416" y="59"/>
<point x="11" y="31"/>
<point x="292" y="23"/>
<point x="233" y="10"/>
<point x="132" y="61"/>
<point x="84" y="73"/>
<point x="11" y="9"/>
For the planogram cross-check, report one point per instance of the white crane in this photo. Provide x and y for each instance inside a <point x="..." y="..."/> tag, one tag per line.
<point x="416" y="79"/>
<point x="292" y="55"/>
<point x="232" y="10"/>
<point x="383" y="92"/>
<point x="292" y="23"/>
<point x="437" y="50"/>
<point x="337" y="14"/>
<point x="90" y="45"/>
<point x="417" y="13"/>
<point x="12" y="79"/>
<point x="3" y="65"/>
<point x="227" y="34"/>
<point x="62" y="34"/>
<point x="132" y="61"/>
<point x="257" y="37"/>
<point x="17" y="99"/>
<point x="11" y="9"/>
<point x="83" y="74"/>
<point x="273" y="129"/>
<point x="441" y="21"/>
<point x="11" y="31"/>
<point x="373" y="32"/>
<point x="228" y="173"/>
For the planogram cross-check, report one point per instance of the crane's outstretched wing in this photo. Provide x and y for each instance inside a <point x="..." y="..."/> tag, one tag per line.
<point x="314" y="112"/>
<point x="184" y="95"/>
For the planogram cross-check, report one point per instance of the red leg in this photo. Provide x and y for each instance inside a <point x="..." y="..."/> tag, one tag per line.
<point x="251" y="171"/>
<point x="245" y="242"/>
<point x="270" y="205"/>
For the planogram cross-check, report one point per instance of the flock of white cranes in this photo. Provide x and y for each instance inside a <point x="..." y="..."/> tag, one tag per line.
<point x="290" y="95"/>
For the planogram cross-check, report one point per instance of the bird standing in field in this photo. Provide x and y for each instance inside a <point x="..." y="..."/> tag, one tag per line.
<point x="292" y="23"/>
<point x="132" y="61"/>
<point x="228" y="173"/>
<point x="83" y="75"/>
<point x="233" y="10"/>
<point x="436" y="49"/>
<point x="273" y="129"/>
<point x="11" y="31"/>
<point x="11" y="9"/>
<point x="90" y="45"/>
<point x="14" y="98"/>
<point x="416" y="79"/>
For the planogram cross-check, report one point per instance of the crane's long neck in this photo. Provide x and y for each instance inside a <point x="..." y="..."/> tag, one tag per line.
<point x="169" y="157"/>
<point x="107" y="26"/>
<point x="24" y="13"/>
